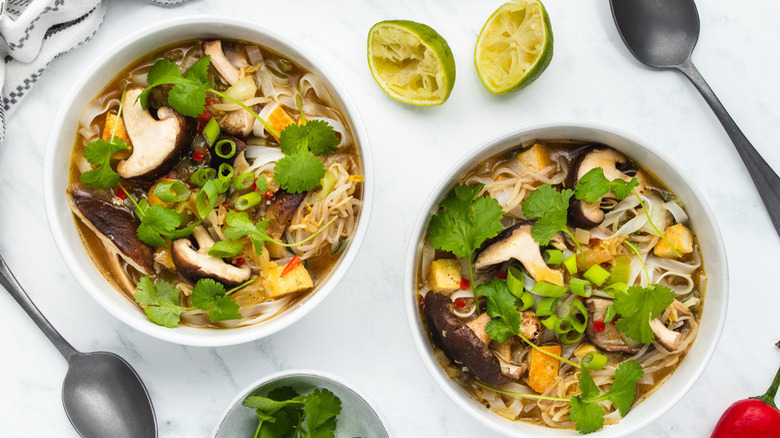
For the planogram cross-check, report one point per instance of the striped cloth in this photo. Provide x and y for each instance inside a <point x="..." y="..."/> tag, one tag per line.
<point x="34" y="32"/>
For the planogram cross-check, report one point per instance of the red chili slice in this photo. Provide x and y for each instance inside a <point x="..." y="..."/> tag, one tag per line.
<point x="197" y="156"/>
<point x="460" y="303"/>
<point x="464" y="283"/>
<point x="599" y="326"/>
<point x="290" y="266"/>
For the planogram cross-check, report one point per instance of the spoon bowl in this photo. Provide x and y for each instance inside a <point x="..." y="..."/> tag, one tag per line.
<point x="102" y="394"/>
<point x="662" y="34"/>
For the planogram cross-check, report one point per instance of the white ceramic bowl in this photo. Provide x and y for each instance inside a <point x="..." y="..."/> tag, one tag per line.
<point x="62" y="137"/>
<point x="357" y="418"/>
<point x="702" y="220"/>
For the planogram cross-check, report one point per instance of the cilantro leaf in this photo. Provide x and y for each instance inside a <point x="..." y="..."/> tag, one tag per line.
<point x="160" y="301"/>
<point x="587" y="417"/>
<point x="498" y="331"/>
<point x="239" y="225"/>
<point x="283" y="393"/>
<point x="188" y="95"/>
<point x="465" y="221"/>
<point x="299" y="172"/>
<point x="99" y="153"/>
<point x="226" y="249"/>
<point x="199" y="71"/>
<point x="593" y="185"/>
<point x="188" y="99"/>
<point x="156" y="221"/>
<point x="638" y="306"/>
<point x="321" y="406"/>
<point x="500" y="303"/>
<point x="210" y="296"/>
<point x="550" y="208"/>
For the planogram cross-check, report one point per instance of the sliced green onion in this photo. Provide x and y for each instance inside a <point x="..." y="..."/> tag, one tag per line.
<point x="328" y="182"/>
<point x="262" y="184"/>
<point x="570" y="337"/>
<point x="547" y="307"/>
<point x="220" y="151"/>
<point x="563" y="325"/>
<point x="172" y="191"/>
<point x="581" y="287"/>
<point x="549" y="322"/>
<point x="553" y="257"/>
<point x="248" y="200"/>
<point x="570" y="263"/>
<point x="226" y="248"/>
<point x="621" y="269"/>
<point x="593" y="361"/>
<point x="225" y="172"/>
<point x="528" y="301"/>
<point x="207" y="198"/>
<point x="610" y="314"/>
<point x="549" y="290"/>
<point x="597" y="275"/>
<point x="614" y="288"/>
<point x="203" y="174"/>
<point x="515" y="280"/>
<point x="578" y="316"/>
<point x="211" y="131"/>
<point x="244" y="181"/>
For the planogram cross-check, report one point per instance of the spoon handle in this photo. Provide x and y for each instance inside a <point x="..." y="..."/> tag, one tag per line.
<point x="766" y="180"/>
<point x="9" y="282"/>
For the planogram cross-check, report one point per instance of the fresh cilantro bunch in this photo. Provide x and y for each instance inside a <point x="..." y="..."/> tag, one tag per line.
<point x="502" y="307"/>
<point x="239" y="225"/>
<point x="550" y="208"/>
<point x="638" y="306"/>
<point x="287" y="414"/>
<point x="99" y="153"/>
<point x="587" y="415"/>
<point x="465" y="221"/>
<point x="593" y="185"/>
<point x="158" y="222"/>
<point x="162" y="301"/>
<point x="299" y="171"/>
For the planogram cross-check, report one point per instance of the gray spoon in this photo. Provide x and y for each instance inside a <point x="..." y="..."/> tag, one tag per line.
<point x="662" y="34"/>
<point x="102" y="394"/>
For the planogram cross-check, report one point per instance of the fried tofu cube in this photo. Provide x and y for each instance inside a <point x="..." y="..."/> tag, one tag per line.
<point x="542" y="368"/>
<point x="535" y="158"/>
<point x="277" y="117"/>
<point x="111" y="121"/>
<point x="679" y="236"/>
<point x="297" y="280"/>
<point x="444" y="275"/>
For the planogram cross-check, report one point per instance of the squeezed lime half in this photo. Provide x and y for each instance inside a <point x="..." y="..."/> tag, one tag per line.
<point x="411" y="62"/>
<point x="514" y="47"/>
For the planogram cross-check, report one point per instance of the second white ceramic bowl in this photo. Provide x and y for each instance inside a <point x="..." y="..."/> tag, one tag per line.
<point x="63" y="135"/>
<point x="702" y="221"/>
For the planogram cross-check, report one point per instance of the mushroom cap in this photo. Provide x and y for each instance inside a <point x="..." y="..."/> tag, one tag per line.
<point x="196" y="264"/>
<point x="157" y="143"/>
<point x="460" y="343"/>
<point x="588" y="215"/>
<point x="281" y="210"/>
<point x="610" y="339"/>
<point x="114" y="225"/>
<point x="218" y="59"/>
<point x="517" y="243"/>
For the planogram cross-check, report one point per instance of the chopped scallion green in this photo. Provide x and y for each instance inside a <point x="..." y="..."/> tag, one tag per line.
<point x="203" y="174"/>
<point x="225" y="173"/>
<point x="219" y="148"/>
<point x="621" y="269"/>
<point x="211" y="132"/>
<point x="248" y="200"/>
<point x="244" y="181"/>
<point x="581" y="287"/>
<point x="527" y="301"/>
<point x="515" y="281"/>
<point x="171" y="191"/>
<point x="593" y="361"/>
<point x="578" y="316"/>
<point x="570" y="337"/>
<point x="553" y="257"/>
<point x="547" y="307"/>
<point x="549" y="290"/>
<point x="597" y="275"/>
<point x="570" y="263"/>
<point x="549" y="322"/>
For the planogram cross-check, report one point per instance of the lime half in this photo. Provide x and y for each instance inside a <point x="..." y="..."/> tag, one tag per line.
<point x="411" y="62"/>
<point x="514" y="47"/>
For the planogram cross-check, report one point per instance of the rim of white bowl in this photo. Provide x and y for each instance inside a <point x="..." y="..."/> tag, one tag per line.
<point x="458" y="394"/>
<point x="60" y="223"/>
<point x="297" y="372"/>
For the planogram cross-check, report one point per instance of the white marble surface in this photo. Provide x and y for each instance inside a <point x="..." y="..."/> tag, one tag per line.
<point x="360" y="331"/>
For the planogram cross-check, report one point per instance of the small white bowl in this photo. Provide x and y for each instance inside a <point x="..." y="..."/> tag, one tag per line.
<point x="357" y="418"/>
<point x="702" y="220"/>
<point x="63" y="135"/>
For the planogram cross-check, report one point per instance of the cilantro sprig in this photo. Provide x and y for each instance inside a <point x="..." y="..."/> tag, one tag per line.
<point x="162" y="301"/>
<point x="638" y="306"/>
<point x="285" y="413"/>
<point x="299" y="171"/>
<point x="464" y="222"/>
<point x="99" y="153"/>
<point x="239" y="225"/>
<point x="550" y="209"/>
<point x="588" y="416"/>
<point x="593" y="185"/>
<point x="584" y="409"/>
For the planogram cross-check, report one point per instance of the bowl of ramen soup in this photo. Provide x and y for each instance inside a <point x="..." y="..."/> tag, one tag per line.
<point x="566" y="279"/>
<point x="208" y="181"/>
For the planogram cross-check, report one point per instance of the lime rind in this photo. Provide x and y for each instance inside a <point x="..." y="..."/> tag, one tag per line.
<point x="514" y="47"/>
<point x="411" y="62"/>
